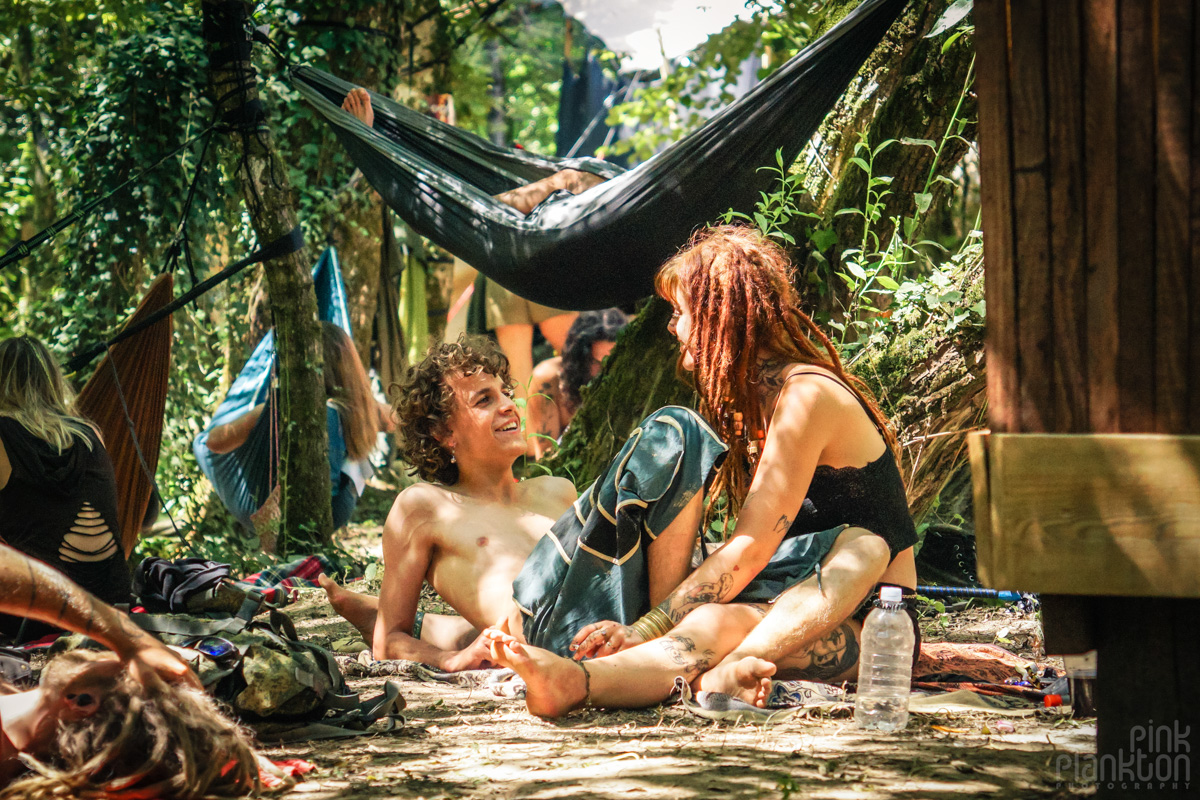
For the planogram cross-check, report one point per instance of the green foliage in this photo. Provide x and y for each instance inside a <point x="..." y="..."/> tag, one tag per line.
<point x="777" y="210"/>
<point x="668" y="109"/>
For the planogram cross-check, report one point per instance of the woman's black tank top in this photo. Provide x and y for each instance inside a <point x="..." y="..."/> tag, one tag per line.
<point x="870" y="497"/>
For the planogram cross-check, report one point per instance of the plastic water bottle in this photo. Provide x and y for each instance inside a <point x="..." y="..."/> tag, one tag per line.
<point x="885" y="668"/>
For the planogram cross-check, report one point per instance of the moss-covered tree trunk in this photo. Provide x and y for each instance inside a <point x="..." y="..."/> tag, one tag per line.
<point x="908" y="88"/>
<point x="639" y="376"/>
<point x="931" y="382"/>
<point x="305" y="509"/>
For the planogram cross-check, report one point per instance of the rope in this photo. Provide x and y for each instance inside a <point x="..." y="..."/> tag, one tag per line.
<point x="137" y="448"/>
<point x="26" y="247"/>
<point x="969" y="591"/>
<point x="289" y="243"/>
<point x="180" y="242"/>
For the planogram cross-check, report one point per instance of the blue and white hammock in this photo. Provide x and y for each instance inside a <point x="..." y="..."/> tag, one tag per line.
<point x="245" y="477"/>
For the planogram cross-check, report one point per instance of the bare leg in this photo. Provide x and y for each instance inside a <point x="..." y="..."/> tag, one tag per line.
<point x="517" y="343"/>
<point x="633" y="678"/>
<point x="440" y="630"/>
<point x="555" y="329"/>
<point x="806" y="627"/>
<point x="669" y="557"/>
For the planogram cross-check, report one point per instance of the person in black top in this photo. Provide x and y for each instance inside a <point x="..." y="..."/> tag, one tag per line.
<point x="811" y="477"/>
<point x="58" y="494"/>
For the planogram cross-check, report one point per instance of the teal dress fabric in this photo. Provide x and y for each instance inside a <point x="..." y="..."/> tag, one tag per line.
<point x="591" y="566"/>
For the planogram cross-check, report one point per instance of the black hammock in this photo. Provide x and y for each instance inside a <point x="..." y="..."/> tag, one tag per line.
<point x="602" y="247"/>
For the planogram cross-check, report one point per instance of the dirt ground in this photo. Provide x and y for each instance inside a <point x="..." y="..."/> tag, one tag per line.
<point x="458" y="743"/>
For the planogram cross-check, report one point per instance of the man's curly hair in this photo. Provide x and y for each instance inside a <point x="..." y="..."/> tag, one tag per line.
<point x="423" y="401"/>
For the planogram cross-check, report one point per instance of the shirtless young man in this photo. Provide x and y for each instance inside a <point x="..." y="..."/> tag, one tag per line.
<point x="470" y="528"/>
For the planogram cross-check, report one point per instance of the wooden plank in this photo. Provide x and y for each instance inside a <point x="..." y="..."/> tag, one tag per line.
<point x="1136" y="225"/>
<point x="995" y="160"/>
<point x="980" y="487"/>
<point x="1194" y="228"/>
<point x="1099" y="48"/>
<point x="1103" y="514"/>
<point x="1173" y="112"/>
<point x="1145" y="661"/>
<point x="1031" y="208"/>
<point x="1068" y="624"/>
<point x="1064" y="80"/>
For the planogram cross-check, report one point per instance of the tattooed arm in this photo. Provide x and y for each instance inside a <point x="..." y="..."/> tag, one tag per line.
<point x="799" y="431"/>
<point x="31" y="589"/>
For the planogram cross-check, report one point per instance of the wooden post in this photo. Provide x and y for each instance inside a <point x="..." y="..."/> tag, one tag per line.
<point x="1088" y="124"/>
<point x="303" y="440"/>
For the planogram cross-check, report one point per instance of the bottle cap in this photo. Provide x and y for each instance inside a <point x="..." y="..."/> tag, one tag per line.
<point x="1052" y="700"/>
<point x="891" y="594"/>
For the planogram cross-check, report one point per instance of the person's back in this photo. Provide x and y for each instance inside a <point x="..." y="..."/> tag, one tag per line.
<point x="58" y="494"/>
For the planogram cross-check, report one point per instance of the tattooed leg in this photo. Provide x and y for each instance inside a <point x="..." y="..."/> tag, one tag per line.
<point x="805" y="620"/>
<point x="832" y="658"/>
<point x="634" y="678"/>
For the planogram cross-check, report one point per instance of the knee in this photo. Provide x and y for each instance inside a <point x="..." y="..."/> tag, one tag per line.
<point x="679" y="417"/>
<point x="869" y="548"/>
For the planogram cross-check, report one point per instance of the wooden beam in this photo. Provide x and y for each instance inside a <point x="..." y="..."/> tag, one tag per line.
<point x="1136" y="224"/>
<point x="995" y="155"/>
<point x="1065" y="153"/>
<point x="1031" y="208"/>
<point x="1173" y="110"/>
<point x="1083" y="514"/>
<point x="1100" y="209"/>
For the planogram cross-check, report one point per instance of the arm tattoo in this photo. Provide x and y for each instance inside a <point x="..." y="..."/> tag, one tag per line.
<point x="677" y="607"/>
<point x="782" y="524"/>
<point x="828" y="657"/>
<point x="683" y="653"/>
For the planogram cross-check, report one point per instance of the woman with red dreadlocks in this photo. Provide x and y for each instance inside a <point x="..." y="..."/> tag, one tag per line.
<point x="810" y="475"/>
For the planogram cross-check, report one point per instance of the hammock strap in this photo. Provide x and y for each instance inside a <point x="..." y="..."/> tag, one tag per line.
<point x="288" y="243"/>
<point x="137" y="448"/>
<point x="181" y="241"/>
<point x="26" y="247"/>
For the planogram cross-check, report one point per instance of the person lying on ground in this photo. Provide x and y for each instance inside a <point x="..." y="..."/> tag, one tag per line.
<point x="355" y="418"/>
<point x="556" y="381"/>
<point x="132" y="722"/>
<point x="811" y="479"/>
<point x="800" y="430"/>
<point x="509" y="315"/>
<point x="58" y="492"/>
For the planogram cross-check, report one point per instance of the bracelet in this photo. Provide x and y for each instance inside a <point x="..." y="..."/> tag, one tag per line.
<point x="653" y="624"/>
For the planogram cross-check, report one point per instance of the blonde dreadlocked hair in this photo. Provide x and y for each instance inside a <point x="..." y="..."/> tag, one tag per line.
<point x="739" y="286"/>
<point x="145" y="741"/>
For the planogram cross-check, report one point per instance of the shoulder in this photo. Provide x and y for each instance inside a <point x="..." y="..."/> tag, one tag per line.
<point x="559" y="490"/>
<point x="417" y="505"/>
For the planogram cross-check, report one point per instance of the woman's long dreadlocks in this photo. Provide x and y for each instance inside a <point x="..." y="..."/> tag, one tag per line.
<point x="740" y="288"/>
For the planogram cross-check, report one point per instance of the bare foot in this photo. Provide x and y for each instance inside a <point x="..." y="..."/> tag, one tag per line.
<point x="748" y="679"/>
<point x="359" y="610"/>
<point x="553" y="685"/>
<point x="358" y="103"/>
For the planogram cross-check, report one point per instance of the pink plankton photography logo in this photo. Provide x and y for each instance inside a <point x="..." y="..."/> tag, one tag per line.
<point x="1159" y="758"/>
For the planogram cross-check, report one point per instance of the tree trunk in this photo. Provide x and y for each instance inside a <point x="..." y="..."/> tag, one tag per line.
<point x="269" y="198"/>
<point x="932" y="386"/>
<point x="908" y="89"/>
<point x="891" y="97"/>
<point x="639" y="376"/>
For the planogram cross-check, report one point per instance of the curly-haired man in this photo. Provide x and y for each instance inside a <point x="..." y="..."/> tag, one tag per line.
<point x="469" y="527"/>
